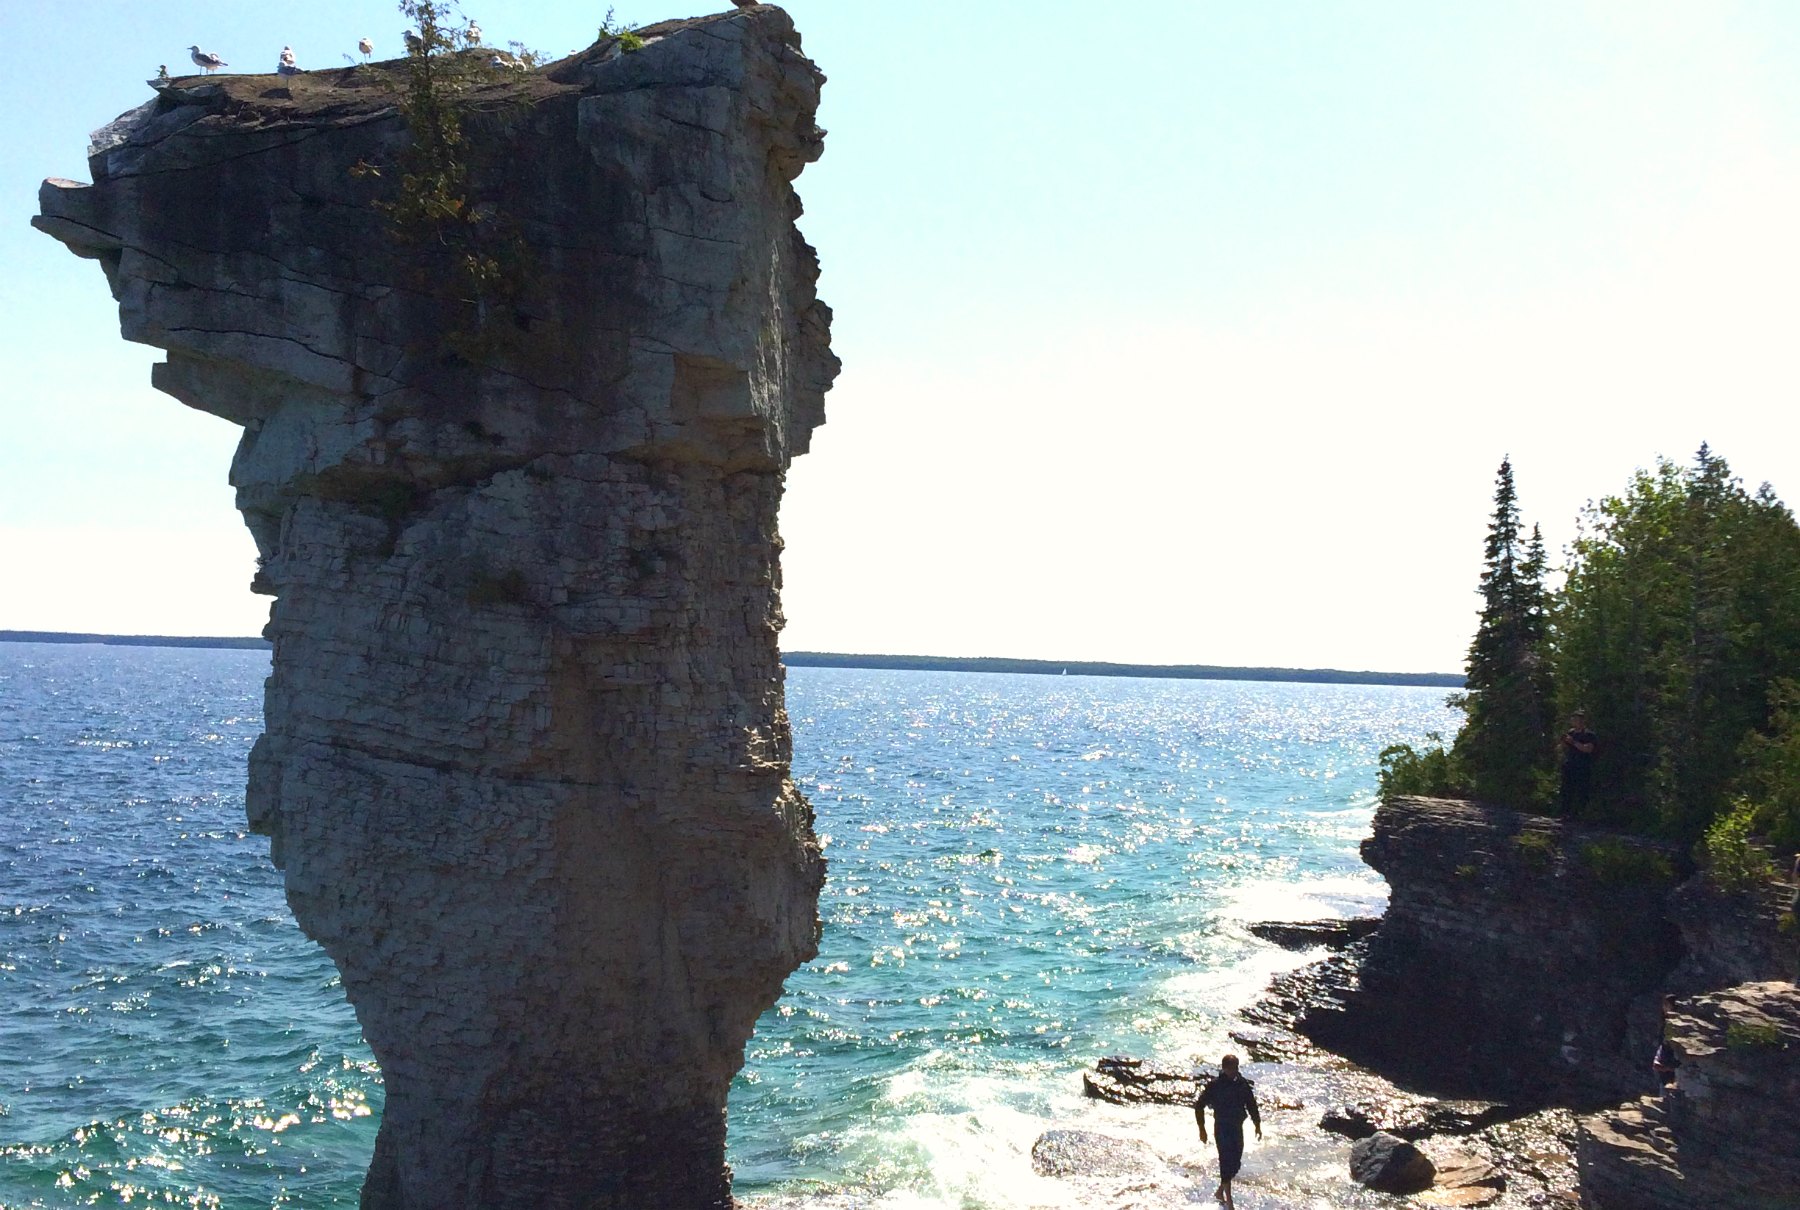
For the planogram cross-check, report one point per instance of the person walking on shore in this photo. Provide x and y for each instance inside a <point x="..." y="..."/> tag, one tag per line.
<point x="1232" y="1098"/>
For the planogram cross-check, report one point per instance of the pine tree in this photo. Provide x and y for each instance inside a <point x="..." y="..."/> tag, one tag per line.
<point x="1505" y="745"/>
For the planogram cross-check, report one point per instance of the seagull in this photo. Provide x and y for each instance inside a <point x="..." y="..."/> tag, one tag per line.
<point x="287" y="66"/>
<point x="206" y="59"/>
<point x="367" y="47"/>
<point x="414" y="43"/>
<point x="474" y="34"/>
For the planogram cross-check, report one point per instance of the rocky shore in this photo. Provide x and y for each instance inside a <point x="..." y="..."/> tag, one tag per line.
<point x="1500" y="1017"/>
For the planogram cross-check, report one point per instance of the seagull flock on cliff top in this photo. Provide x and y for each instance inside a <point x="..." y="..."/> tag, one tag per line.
<point x="209" y="62"/>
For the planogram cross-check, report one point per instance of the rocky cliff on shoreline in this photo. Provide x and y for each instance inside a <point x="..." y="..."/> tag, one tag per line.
<point x="1525" y="959"/>
<point x="526" y="759"/>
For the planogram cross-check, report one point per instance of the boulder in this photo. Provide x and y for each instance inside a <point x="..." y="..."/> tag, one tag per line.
<point x="1390" y="1164"/>
<point x="1084" y="1153"/>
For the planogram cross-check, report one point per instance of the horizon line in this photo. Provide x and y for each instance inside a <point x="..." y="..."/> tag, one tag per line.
<point x="878" y="662"/>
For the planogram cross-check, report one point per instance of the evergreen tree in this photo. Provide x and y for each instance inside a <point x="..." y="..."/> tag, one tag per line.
<point x="1505" y="745"/>
<point x="1679" y="617"/>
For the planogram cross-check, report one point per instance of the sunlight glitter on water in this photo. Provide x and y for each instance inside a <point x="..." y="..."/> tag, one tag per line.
<point x="1025" y="873"/>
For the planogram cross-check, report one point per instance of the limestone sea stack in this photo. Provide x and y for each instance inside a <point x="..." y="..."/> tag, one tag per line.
<point x="526" y="760"/>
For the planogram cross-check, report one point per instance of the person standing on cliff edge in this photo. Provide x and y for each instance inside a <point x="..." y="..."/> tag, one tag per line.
<point x="1232" y="1098"/>
<point x="1578" y="745"/>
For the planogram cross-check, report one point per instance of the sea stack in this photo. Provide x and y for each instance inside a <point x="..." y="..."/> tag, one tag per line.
<point x="525" y="766"/>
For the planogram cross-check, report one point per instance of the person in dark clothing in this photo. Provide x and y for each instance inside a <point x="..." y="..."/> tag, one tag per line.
<point x="1233" y="1098"/>
<point x="1578" y="745"/>
<point x="1668" y="1055"/>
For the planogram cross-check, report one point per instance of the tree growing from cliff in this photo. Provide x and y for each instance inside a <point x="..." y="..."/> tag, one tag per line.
<point x="469" y="254"/>
<point x="1505" y="745"/>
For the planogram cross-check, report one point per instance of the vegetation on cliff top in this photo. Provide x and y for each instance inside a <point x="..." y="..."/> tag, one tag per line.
<point x="471" y="255"/>
<point x="1676" y="629"/>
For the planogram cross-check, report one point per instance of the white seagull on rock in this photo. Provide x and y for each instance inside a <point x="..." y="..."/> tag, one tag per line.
<point x="474" y="34"/>
<point x="287" y="66"/>
<point x="206" y="59"/>
<point x="367" y="47"/>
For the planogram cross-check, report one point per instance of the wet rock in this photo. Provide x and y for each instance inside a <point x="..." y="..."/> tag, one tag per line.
<point x="1310" y="934"/>
<point x="1084" y="1153"/>
<point x="1124" y="1081"/>
<point x="1267" y="1045"/>
<point x="1463" y="1180"/>
<point x="1413" y="1117"/>
<point x="1390" y="1164"/>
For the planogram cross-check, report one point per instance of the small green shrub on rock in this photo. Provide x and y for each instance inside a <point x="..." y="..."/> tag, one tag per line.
<point x="1752" y="1035"/>
<point x="1729" y="854"/>
<point x="1537" y="848"/>
<point x="1431" y="773"/>
<point x="1621" y="863"/>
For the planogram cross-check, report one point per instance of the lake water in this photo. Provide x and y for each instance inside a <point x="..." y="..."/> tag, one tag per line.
<point x="1026" y="873"/>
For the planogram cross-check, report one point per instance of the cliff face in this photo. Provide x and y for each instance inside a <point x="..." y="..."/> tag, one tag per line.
<point x="526" y="760"/>
<point x="1728" y="1132"/>
<point x="1525" y="957"/>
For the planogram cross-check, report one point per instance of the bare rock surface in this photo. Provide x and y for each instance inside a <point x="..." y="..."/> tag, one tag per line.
<point x="526" y="759"/>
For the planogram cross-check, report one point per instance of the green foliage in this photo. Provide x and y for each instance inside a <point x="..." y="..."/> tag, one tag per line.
<point x="1537" y="848"/>
<point x="1505" y="746"/>
<point x="1676" y="630"/>
<point x="627" y="36"/>
<point x="1729" y="854"/>
<point x="467" y="254"/>
<point x="1787" y="923"/>
<point x="1621" y="863"/>
<point x="1432" y="773"/>
<point x="1680" y="612"/>
<point x="1467" y="870"/>
<point x="1752" y="1035"/>
<point x="1769" y="780"/>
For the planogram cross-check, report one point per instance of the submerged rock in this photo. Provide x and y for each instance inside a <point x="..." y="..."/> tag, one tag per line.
<point x="526" y="760"/>
<point x="1086" y="1153"/>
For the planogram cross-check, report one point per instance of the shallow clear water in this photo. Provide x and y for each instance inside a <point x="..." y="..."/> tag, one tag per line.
<point x="1026" y="873"/>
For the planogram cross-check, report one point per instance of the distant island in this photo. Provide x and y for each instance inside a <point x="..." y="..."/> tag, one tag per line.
<point x="905" y="663"/>
<point x="1185" y="672"/>
<point x="132" y="640"/>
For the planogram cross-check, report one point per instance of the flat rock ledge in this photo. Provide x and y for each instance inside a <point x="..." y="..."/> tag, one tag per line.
<point x="526" y="762"/>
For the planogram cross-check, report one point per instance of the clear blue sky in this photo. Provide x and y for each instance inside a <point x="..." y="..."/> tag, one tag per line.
<point x="1180" y="332"/>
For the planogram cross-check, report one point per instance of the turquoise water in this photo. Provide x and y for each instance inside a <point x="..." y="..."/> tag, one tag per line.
<point x="1026" y="873"/>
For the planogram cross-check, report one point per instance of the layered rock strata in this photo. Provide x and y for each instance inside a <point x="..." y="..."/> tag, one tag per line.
<point x="526" y="760"/>
<point x="1728" y="1132"/>
<point x="1525" y="957"/>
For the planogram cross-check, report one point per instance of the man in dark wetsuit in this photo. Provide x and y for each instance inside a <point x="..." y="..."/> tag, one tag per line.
<point x="1578" y="745"/>
<point x="1233" y="1098"/>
